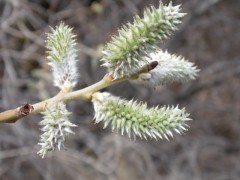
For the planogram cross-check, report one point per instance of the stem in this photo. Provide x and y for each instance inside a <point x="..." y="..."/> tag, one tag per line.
<point x="11" y="116"/>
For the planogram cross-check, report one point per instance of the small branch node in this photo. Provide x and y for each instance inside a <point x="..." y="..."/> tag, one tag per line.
<point x="24" y="110"/>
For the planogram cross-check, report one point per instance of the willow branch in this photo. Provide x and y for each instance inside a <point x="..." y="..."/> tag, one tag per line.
<point x="11" y="116"/>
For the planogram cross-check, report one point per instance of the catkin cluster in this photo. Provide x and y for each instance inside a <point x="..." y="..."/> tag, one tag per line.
<point x="125" y="57"/>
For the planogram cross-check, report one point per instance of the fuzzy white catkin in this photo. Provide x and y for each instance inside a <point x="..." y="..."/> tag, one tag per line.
<point x="62" y="56"/>
<point x="136" y="119"/>
<point x="56" y="127"/>
<point x="125" y="53"/>
<point x="170" y="68"/>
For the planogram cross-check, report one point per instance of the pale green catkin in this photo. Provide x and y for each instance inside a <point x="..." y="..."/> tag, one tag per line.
<point x="125" y="53"/>
<point x="62" y="56"/>
<point x="56" y="127"/>
<point x="136" y="119"/>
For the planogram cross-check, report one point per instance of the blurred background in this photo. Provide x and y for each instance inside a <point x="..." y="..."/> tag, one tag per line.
<point x="209" y="37"/>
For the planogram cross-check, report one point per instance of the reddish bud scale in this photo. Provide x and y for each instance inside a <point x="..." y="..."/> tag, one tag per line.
<point x="24" y="110"/>
<point x="152" y="65"/>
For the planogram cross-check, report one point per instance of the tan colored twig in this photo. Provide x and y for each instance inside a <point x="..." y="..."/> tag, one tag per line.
<point x="11" y="116"/>
<point x="26" y="109"/>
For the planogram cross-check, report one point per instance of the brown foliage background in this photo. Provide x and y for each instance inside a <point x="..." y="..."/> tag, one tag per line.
<point x="209" y="37"/>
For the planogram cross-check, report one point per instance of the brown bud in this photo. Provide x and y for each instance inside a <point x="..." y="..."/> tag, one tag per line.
<point x="24" y="110"/>
<point x="152" y="65"/>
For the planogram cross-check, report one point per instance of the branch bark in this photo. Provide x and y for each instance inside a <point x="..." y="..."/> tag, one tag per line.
<point x="13" y="115"/>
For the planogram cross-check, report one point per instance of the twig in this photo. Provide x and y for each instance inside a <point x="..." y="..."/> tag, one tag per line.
<point x="26" y="109"/>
